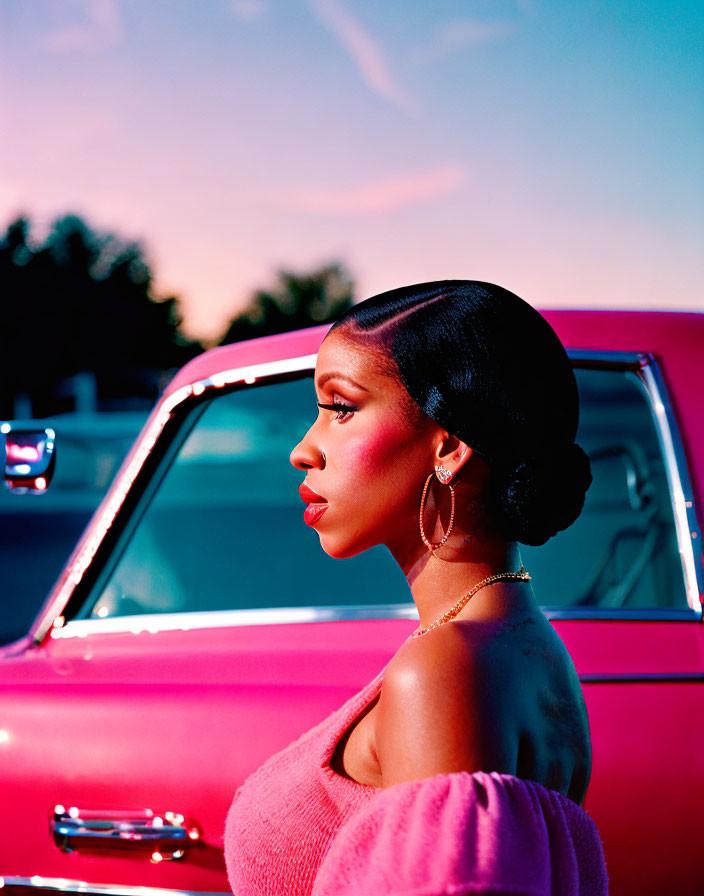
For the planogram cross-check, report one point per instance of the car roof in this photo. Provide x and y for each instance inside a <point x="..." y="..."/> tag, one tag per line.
<point x="657" y="332"/>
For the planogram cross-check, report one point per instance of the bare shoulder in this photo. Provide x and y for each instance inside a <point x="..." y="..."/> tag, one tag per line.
<point x="435" y="713"/>
<point x="452" y="660"/>
<point x="428" y="660"/>
<point x="485" y="695"/>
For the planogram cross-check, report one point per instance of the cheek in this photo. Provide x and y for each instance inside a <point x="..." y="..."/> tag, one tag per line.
<point x="375" y="452"/>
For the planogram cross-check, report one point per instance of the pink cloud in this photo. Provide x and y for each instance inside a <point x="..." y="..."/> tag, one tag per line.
<point x="466" y="33"/>
<point x="384" y="195"/>
<point x="363" y="48"/>
<point x="102" y="28"/>
<point x="248" y="10"/>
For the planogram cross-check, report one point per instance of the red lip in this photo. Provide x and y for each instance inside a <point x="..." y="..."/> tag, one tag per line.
<point x="309" y="496"/>
<point x="313" y="512"/>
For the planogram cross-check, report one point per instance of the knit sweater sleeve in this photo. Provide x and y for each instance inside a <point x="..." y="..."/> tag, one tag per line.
<point x="461" y="833"/>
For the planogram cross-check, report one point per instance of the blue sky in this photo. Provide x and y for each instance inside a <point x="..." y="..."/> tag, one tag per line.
<point x="552" y="147"/>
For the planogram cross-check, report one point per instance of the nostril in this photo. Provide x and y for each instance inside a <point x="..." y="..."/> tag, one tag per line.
<point x="297" y="461"/>
<point x="306" y="458"/>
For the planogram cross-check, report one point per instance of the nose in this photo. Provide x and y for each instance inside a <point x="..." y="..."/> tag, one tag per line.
<point x="307" y="455"/>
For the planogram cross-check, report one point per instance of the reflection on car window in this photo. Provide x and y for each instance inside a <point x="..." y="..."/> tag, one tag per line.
<point x="225" y="530"/>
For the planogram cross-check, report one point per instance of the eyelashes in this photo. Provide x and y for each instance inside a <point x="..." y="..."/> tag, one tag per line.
<point x="343" y="411"/>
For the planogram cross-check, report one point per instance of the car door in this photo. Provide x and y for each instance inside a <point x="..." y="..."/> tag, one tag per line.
<point x="203" y="629"/>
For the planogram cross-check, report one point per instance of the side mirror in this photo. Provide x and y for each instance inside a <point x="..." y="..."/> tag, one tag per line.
<point x="30" y="458"/>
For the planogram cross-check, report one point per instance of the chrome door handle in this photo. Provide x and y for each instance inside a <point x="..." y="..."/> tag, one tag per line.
<point x="164" y="833"/>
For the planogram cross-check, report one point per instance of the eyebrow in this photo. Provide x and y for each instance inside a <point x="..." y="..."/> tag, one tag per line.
<point x="333" y="374"/>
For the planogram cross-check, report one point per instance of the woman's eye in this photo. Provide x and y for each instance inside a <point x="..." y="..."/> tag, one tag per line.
<point x="343" y="411"/>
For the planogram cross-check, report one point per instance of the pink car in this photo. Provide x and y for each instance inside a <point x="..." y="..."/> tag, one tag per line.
<point x="178" y="650"/>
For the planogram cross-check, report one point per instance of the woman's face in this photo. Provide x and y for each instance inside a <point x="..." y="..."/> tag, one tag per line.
<point x="366" y="460"/>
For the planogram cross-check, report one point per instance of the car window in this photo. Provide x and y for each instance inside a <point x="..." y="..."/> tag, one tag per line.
<point x="622" y="551"/>
<point x="224" y="530"/>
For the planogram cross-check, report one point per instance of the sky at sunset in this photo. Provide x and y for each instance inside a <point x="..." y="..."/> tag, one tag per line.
<point x="552" y="147"/>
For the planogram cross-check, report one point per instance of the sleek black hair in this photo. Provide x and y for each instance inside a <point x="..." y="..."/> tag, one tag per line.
<point x="488" y="368"/>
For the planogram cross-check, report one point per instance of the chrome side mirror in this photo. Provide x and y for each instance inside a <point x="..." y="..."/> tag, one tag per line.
<point x="30" y="458"/>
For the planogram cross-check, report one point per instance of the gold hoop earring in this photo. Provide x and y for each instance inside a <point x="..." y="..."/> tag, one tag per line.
<point x="431" y="546"/>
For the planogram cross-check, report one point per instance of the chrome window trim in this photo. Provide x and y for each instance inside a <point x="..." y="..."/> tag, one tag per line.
<point x="63" y="885"/>
<point x="681" y="494"/>
<point x="644" y="365"/>
<point x="168" y="622"/>
<point x="586" y="358"/>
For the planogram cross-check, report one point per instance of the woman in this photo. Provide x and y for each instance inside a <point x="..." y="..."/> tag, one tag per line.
<point x="448" y="413"/>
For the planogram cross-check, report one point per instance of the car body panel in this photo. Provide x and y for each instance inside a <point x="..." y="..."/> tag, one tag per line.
<point x="153" y="719"/>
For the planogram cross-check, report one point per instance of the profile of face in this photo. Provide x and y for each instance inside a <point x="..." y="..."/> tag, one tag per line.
<point x="366" y="458"/>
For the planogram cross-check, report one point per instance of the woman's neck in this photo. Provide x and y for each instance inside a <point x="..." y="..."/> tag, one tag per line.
<point x="438" y="582"/>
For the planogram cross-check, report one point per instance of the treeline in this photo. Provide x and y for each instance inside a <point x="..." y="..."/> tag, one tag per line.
<point x="84" y="302"/>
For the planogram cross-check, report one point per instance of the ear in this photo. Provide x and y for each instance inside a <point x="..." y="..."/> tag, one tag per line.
<point x="452" y="454"/>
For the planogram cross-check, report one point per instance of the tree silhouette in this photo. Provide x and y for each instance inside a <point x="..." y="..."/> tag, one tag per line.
<point x="82" y="302"/>
<point x="297" y="301"/>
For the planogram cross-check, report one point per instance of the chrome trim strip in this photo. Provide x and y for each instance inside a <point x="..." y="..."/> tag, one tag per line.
<point x="169" y="622"/>
<point x="605" y="358"/>
<point x="639" y="677"/>
<point x="681" y="493"/>
<point x="622" y="614"/>
<point x="62" y="885"/>
<point x="113" y="501"/>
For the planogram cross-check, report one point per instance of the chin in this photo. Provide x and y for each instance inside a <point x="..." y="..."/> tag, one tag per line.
<point x="341" y="550"/>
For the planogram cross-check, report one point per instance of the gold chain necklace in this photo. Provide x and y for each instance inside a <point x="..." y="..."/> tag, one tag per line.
<point x="520" y="576"/>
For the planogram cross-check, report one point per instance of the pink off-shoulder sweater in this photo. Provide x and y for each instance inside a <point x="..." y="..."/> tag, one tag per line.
<point x="298" y="828"/>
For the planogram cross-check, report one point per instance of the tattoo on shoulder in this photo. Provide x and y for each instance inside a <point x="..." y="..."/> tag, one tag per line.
<point x="531" y="645"/>
<point x="515" y="626"/>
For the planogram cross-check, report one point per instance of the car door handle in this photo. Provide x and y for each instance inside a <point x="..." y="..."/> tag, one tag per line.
<point x="163" y="833"/>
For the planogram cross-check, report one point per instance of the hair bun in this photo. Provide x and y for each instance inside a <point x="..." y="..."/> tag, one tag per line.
<point x="536" y="498"/>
